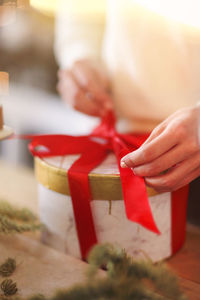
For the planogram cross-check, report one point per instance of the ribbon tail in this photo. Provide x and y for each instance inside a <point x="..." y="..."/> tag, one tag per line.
<point x="81" y="197"/>
<point x="135" y="195"/>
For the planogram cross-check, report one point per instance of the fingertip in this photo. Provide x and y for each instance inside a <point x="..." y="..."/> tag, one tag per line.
<point x="127" y="160"/>
<point x="123" y="164"/>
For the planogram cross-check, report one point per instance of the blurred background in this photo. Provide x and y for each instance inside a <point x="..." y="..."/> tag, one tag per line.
<point x="33" y="105"/>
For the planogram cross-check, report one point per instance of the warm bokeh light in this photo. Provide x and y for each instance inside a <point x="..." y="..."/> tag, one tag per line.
<point x="46" y="6"/>
<point x="87" y="7"/>
<point x="182" y="11"/>
<point x="4" y="79"/>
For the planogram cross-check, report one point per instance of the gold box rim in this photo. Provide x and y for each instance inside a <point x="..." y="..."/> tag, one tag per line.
<point x="103" y="186"/>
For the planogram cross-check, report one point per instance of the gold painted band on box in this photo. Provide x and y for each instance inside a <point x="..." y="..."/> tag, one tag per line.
<point x="103" y="186"/>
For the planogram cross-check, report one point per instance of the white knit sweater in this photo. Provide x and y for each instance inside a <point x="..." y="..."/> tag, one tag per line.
<point x="153" y="63"/>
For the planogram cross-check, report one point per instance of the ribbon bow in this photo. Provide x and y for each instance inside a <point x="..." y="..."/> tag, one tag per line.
<point x="93" y="149"/>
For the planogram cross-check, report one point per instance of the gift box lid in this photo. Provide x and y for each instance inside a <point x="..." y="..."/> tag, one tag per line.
<point x="104" y="180"/>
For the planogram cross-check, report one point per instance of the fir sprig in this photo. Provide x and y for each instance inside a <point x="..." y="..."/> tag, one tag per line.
<point x="15" y="220"/>
<point x="22" y="214"/>
<point x="8" y="226"/>
<point x="125" y="279"/>
<point x="135" y="276"/>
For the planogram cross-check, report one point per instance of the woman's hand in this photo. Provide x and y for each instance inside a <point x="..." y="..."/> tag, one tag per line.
<point x="170" y="157"/>
<point x="86" y="88"/>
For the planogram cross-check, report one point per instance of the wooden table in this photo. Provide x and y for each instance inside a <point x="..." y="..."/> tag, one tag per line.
<point x="186" y="263"/>
<point x="18" y="186"/>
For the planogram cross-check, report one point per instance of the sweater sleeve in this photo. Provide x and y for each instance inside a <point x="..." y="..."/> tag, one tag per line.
<point x="79" y="31"/>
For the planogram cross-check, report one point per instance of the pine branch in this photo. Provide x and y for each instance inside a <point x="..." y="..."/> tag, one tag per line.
<point x="12" y="212"/>
<point x="125" y="280"/>
<point x="15" y="220"/>
<point x="8" y="226"/>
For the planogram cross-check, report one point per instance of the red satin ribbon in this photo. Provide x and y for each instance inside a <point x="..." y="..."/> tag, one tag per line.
<point x="93" y="149"/>
<point x="178" y="217"/>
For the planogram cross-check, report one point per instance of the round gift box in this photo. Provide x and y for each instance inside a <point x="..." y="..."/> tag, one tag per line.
<point x="108" y="210"/>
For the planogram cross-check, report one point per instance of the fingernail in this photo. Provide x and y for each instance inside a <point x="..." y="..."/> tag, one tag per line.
<point x="123" y="165"/>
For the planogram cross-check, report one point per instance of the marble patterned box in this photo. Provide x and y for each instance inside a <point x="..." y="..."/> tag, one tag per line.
<point x="111" y="223"/>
